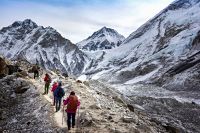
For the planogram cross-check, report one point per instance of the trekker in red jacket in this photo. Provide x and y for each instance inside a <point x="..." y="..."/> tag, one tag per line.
<point x="47" y="81"/>
<point x="72" y="103"/>
<point x="55" y="85"/>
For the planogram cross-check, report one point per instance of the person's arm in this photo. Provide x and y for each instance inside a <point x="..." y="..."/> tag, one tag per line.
<point x="53" y="88"/>
<point x="79" y="103"/>
<point x="65" y="102"/>
<point x="63" y="92"/>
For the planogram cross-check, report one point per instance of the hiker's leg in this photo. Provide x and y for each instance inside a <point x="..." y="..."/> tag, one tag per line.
<point x="45" y="86"/>
<point x="59" y="103"/>
<point x="37" y="74"/>
<point x="69" y="120"/>
<point x="34" y="75"/>
<point x="56" y="104"/>
<point x="54" y="100"/>
<point x="73" y="119"/>
<point x="48" y="84"/>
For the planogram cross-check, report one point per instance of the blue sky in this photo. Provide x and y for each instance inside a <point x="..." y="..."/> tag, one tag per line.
<point x="78" y="19"/>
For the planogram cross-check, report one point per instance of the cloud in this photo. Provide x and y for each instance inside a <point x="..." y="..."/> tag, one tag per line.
<point x="77" y="19"/>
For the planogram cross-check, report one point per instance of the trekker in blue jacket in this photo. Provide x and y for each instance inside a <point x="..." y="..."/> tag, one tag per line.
<point x="59" y="93"/>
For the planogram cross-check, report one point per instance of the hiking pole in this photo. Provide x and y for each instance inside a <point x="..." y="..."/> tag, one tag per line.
<point x="78" y="120"/>
<point x="63" y="113"/>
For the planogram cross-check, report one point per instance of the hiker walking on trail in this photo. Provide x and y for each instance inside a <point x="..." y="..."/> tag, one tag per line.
<point x="59" y="93"/>
<point x="72" y="103"/>
<point x="47" y="81"/>
<point x="55" y="85"/>
<point x="35" y="70"/>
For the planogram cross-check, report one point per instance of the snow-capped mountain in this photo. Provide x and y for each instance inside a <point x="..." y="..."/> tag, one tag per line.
<point x="36" y="44"/>
<point x="105" y="38"/>
<point x="158" y="48"/>
<point x="168" y="44"/>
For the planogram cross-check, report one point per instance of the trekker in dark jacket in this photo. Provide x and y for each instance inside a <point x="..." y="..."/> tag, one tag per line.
<point x="35" y="70"/>
<point x="72" y="103"/>
<point x="47" y="81"/>
<point x="58" y="93"/>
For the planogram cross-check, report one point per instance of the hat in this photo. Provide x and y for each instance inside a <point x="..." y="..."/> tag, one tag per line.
<point x="59" y="83"/>
<point x="72" y="93"/>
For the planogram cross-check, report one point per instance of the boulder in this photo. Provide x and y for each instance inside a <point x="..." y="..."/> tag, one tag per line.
<point x="78" y="81"/>
<point x="128" y="119"/>
<point x="109" y="117"/>
<point x="65" y="75"/>
<point x="94" y="106"/>
<point x="118" y="99"/>
<point x="130" y="107"/>
<point x="144" y="128"/>
<point x="20" y="89"/>
<point x="172" y="129"/>
<point x="86" y="83"/>
<point x="87" y="120"/>
<point x="12" y="69"/>
<point x="22" y="74"/>
<point x="115" y="130"/>
<point x="3" y="114"/>
<point x="3" y="68"/>
<point x="30" y="71"/>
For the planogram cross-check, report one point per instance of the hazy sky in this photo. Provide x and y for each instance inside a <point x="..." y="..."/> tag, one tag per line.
<point x="78" y="19"/>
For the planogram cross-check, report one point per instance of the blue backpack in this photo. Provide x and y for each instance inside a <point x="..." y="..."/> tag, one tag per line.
<point x="60" y="92"/>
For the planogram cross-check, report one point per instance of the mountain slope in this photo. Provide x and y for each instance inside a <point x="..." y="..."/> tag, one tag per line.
<point x="105" y="38"/>
<point x="149" y="52"/>
<point x="36" y="44"/>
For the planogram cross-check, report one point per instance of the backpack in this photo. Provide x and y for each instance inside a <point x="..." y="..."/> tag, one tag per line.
<point x="34" y="68"/>
<point x="49" y="79"/>
<point x="60" y="92"/>
<point x="73" y="102"/>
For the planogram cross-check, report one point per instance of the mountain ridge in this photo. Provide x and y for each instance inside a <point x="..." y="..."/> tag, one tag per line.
<point x="26" y="40"/>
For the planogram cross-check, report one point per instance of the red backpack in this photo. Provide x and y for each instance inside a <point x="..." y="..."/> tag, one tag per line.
<point x="47" y="79"/>
<point x="73" y="102"/>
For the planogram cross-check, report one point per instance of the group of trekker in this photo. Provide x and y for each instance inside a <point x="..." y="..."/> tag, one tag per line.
<point x="71" y="101"/>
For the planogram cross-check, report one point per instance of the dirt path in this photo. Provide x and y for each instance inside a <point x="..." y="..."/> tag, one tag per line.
<point x="58" y="116"/>
<point x="84" y="94"/>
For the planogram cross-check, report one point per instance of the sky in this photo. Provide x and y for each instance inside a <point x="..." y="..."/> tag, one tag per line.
<point x="78" y="19"/>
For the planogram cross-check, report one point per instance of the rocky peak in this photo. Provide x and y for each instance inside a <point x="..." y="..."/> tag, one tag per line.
<point x="27" y="23"/>
<point x="21" y="27"/>
<point x="105" y="31"/>
<point x="105" y="38"/>
<point x="182" y="4"/>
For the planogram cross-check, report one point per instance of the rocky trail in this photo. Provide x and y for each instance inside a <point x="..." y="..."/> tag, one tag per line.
<point x="101" y="111"/>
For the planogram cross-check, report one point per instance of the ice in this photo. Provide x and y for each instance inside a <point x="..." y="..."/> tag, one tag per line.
<point x="142" y="78"/>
